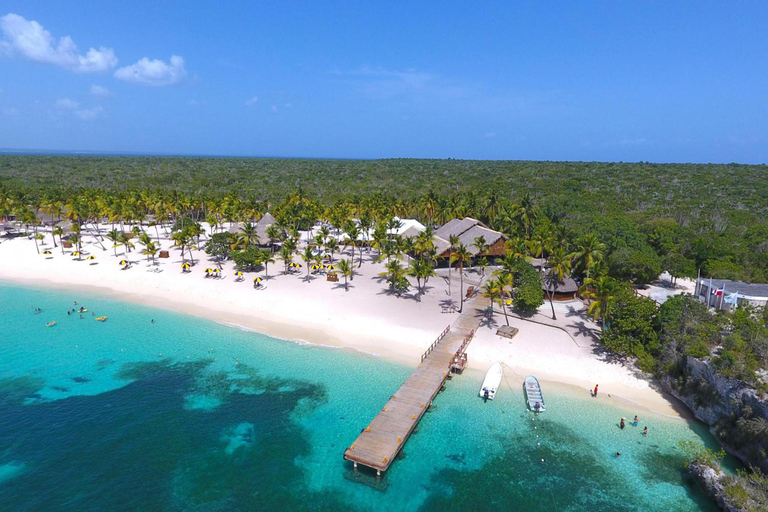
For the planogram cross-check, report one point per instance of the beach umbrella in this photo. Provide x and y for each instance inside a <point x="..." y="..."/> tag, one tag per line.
<point x="46" y="252"/>
<point x="295" y="265"/>
<point x="330" y="267"/>
<point x="75" y="253"/>
<point x="185" y="266"/>
<point x="123" y="262"/>
<point x="315" y="267"/>
<point x="91" y="257"/>
<point x="238" y="273"/>
<point x="257" y="280"/>
<point x="208" y="270"/>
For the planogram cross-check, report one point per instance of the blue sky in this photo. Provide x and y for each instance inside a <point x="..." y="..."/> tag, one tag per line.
<point x="598" y="80"/>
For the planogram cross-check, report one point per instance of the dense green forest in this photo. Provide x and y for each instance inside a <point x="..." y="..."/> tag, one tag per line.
<point x="679" y="217"/>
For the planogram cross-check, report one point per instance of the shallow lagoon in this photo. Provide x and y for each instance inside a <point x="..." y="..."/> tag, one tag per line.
<point x="186" y="414"/>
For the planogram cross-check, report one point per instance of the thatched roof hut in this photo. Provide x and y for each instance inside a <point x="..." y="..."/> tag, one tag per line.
<point x="566" y="288"/>
<point x="261" y="228"/>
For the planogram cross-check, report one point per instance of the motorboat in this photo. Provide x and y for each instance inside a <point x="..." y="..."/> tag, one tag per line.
<point x="533" y="394"/>
<point x="491" y="382"/>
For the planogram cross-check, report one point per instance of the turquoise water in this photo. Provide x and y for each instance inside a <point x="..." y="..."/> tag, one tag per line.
<point x="186" y="414"/>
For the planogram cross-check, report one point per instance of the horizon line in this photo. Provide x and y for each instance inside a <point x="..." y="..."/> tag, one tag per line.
<point x="117" y="153"/>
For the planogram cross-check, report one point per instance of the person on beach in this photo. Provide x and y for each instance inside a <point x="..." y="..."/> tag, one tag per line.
<point x="645" y="431"/>
<point x="594" y="394"/>
<point x="622" y="425"/>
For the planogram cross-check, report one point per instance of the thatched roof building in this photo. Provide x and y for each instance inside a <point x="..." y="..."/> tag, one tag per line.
<point x="566" y="288"/>
<point x="261" y="228"/>
<point x="467" y="229"/>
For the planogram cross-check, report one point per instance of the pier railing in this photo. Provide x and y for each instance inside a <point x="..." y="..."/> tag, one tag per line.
<point x="459" y="361"/>
<point x="433" y="345"/>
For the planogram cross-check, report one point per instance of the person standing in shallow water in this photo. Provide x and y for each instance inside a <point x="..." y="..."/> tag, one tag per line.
<point x="622" y="425"/>
<point x="594" y="393"/>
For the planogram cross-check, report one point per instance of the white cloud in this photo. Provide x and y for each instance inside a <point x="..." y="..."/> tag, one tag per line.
<point x="88" y="114"/>
<point x="30" y="40"/>
<point x="251" y="102"/>
<point x="66" y="104"/>
<point x="154" y="72"/>
<point x="98" y="90"/>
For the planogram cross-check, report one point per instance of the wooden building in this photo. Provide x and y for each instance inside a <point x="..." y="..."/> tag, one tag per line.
<point x="468" y="229"/>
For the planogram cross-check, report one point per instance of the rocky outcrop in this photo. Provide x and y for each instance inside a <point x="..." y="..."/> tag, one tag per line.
<point x="736" y="414"/>
<point x="711" y="481"/>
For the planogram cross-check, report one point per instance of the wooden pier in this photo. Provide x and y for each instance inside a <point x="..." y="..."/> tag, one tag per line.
<point x="379" y="443"/>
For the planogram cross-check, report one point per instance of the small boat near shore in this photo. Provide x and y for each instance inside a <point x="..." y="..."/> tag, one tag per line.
<point x="533" y="394"/>
<point x="491" y="382"/>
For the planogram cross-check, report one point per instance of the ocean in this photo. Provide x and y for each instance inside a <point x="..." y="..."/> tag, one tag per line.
<point x="155" y="410"/>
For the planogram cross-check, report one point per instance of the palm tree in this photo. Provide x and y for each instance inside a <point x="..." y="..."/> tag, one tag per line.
<point x="559" y="267"/>
<point x="345" y="269"/>
<point x="114" y="236"/>
<point x="421" y="270"/>
<point x="75" y="239"/>
<point x="462" y="256"/>
<point x="275" y="234"/>
<point x="308" y="258"/>
<point x="491" y="290"/>
<point x="150" y="250"/>
<point x="602" y="292"/>
<point x="454" y="241"/>
<point x="408" y="246"/>
<point x="181" y="239"/>
<point x="266" y="258"/>
<point x="589" y="250"/>
<point x="504" y="281"/>
<point x="38" y="237"/>
<point x="286" y="255"/>
<point x="524" y="213"/>
<point x="481" y="245"/>
<point x="246" y="236"/>
<point x="395" y="275"/>
<point x="332" y="245"/>
<point x="58" y="231"/>
<point x="353" y="233"/>
<point x="126" y="241"/>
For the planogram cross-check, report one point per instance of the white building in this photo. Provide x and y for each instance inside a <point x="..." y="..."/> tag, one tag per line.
<point x="728" y="295"/>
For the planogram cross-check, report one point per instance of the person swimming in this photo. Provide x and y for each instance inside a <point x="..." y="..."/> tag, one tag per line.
<point x="622" y="425"/>
<point x="645" y="431"/>
<point x="635" y="421"/>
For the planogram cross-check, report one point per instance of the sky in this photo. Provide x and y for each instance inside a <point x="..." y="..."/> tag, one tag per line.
<point x="592" y="81"/>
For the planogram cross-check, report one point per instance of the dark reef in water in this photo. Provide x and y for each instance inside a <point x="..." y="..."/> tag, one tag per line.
<point x="139" y="448"/>
<point x="549" y="477"/>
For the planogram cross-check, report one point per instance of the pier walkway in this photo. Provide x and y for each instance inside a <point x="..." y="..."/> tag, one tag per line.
<point x="381" y="441"/>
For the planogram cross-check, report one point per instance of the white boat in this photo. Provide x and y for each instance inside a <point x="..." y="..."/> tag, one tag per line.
<point x="533" y="394"/>
<point x="491" y="382"/>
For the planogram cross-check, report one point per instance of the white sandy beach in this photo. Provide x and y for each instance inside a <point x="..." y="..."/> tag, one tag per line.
<point x="365" y="318"/>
